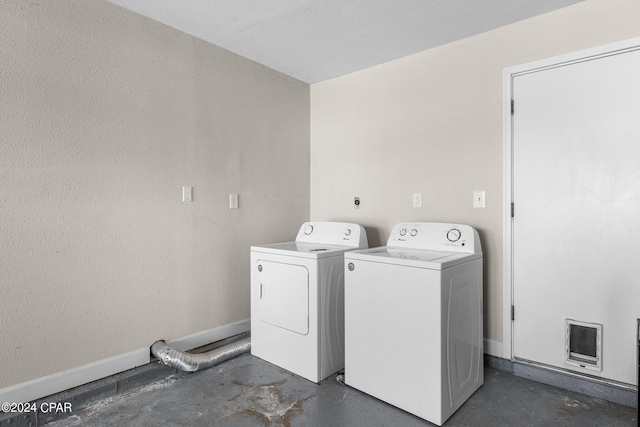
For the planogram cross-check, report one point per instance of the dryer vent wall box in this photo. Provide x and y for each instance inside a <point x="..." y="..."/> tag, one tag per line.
<point x="427" y="285"/>
<point x="297" y="299"/>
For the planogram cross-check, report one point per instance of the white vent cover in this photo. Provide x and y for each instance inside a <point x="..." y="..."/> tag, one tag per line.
<point x="583" y="345"/>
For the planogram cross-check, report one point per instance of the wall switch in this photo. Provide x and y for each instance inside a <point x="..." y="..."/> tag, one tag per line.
<point x="417" y="200"/>
<point x="356" y="202"/>
<point x="478" y="199"/>
<point x="233" y="201"/>
<point x="187" y="194"/>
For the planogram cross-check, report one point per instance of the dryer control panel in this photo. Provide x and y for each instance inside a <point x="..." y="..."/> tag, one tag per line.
<point x="435" y="236"/>
<point x="333" y="233"/>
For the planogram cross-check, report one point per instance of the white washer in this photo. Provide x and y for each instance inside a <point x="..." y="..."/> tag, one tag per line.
<point x="413" y="319"/>
<point x="297" y="299"/>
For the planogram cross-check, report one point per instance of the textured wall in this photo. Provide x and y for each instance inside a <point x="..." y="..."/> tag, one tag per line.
<point x="104" y="116"/>
<point x="431" y="123"/>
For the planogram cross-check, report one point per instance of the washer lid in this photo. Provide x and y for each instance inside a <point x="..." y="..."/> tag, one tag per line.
<point x="302" y="249"/>
<point x="434" y="260"/>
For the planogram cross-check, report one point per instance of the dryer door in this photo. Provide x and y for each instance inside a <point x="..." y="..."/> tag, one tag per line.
<point x="283" y="295"/>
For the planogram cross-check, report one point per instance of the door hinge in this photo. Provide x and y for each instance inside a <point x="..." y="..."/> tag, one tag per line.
<point x="512" y="106"/>
<point x="513" y="313"/>
<point x="513" y="209"/>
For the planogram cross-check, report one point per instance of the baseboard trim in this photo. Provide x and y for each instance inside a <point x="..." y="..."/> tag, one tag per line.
<point x="492" y="348"/>
<point x="595" y="388"/>
<point x="556" y="378"/>
<point x="210" y="335"/>
<point x="55" y="383"/>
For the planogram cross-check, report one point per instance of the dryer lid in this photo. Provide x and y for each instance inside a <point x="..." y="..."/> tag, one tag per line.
<point x="321" y="239"/>
<point x="302" y="249"/>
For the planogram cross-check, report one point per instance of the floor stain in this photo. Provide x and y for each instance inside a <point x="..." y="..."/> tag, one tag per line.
<point x="266" y="402"/>
<point x="569" y="407"/>
<point x="94" y="409"/>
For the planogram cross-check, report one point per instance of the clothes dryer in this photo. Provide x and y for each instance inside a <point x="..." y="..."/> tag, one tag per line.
<point x="413" y="319"/>
<point x="297" y="299"/>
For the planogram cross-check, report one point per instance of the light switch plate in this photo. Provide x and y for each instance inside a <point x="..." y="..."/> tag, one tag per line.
<point x="187" y="194"/>
<point x="478" y="199"/>
<point x="233" y="201"/>
<point x="417" y="200"/>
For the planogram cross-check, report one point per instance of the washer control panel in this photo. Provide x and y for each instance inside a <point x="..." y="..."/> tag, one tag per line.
<point x="435" y="236"/>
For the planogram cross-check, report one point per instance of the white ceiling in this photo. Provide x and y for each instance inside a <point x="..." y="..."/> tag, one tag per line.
<point x="315" y="40"/>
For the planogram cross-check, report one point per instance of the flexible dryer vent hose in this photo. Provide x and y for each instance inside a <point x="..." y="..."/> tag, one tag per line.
<point x="195" y="362"/>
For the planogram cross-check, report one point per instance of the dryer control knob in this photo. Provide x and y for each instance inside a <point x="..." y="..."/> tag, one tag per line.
<point x="348" y="232"/>
<point x="308" y="229"/>
<point x="351" y="267"/>
<point x="403" y="231"/>
<point x="414" y="232"/>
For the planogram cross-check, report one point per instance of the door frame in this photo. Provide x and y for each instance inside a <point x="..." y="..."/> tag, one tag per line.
<point x="507" y="163"/>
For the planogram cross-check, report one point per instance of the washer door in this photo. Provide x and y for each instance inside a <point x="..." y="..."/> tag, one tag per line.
<point x="283" y="295"/>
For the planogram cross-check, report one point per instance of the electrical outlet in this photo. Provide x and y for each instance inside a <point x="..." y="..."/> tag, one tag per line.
<point x="478" y="199"/>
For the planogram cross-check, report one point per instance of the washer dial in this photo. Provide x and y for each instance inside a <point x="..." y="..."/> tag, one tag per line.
<point x="454" y="235"/>
<point x="308" y="229"/>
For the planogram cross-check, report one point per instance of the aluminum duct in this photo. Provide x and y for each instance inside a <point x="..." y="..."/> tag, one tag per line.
<point x="195" y="362"/>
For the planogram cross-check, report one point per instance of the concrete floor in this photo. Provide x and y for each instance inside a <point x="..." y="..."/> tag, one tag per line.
<point x="247" y="391"/>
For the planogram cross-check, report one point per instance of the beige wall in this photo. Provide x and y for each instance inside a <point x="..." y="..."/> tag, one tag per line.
<point x="104" y="116"/>
<point x="431" y="123"/>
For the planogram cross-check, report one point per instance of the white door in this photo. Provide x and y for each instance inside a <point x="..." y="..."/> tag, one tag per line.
<point x="576" y="225"/>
